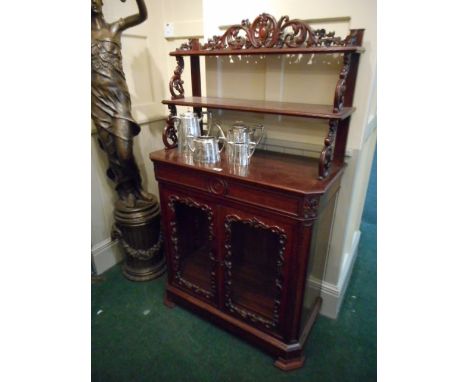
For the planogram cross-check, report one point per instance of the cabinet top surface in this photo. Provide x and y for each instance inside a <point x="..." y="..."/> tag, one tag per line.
<point x="274" y="170"/>
<point x="268" y="107"/>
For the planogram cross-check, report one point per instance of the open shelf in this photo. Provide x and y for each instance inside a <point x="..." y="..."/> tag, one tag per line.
<point x="262" y="51"/>
<point x="267" y="107"/>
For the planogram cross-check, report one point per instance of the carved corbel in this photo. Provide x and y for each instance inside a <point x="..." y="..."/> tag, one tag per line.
<point x="176" y="84"/>
<point x="326" y="157"/>
<point x="340" y="89"/>
<point x="170" y="131"/>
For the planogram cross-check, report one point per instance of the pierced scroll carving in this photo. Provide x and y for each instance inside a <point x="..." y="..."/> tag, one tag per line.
<point x="176" y="84"/>
<point x="230" y="305"/>
<point x="266" y="32"/>
<point x="340" y="89"/>
<point x="193" y="44"/>
<point x="176" y="267"/>
<point x="326" y="156"/>
<point x="169" y="136"/>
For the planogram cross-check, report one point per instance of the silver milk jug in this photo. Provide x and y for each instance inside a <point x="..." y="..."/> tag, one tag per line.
<point x="206" y="149"/>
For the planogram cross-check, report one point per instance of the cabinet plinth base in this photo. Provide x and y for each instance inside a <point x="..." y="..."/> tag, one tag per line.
<point x="289" y="364"/>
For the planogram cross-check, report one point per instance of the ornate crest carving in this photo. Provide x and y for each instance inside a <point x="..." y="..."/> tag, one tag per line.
<point x="230" y="305"/>
<point x="173" y="200"/>
<point x="266" y="32"/>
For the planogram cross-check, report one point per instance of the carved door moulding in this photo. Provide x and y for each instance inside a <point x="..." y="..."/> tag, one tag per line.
<point x="176" y="268"/>
<point x="230" y="305"/>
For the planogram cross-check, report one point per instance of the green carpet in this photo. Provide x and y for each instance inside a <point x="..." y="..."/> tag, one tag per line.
<point x="136" y="338"/>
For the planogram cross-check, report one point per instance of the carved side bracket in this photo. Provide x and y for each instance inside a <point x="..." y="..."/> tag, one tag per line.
<point x="169" y="136"/>
<point x="266" y="32"/>
<point x="176" y="84"/>
<point x="230" y="305"/>
<point x="340" y="89"/>
<point x="311" y="204"/>
<point x="176" y="267"/>
<point x="326" y="157"/>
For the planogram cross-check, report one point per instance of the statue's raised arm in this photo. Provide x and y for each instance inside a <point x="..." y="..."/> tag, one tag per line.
<point x="136" y="19"/>
<point x="111" y="108"/>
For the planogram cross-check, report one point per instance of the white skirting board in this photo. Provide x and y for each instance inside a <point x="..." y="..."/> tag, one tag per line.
<point x="332" y="294"/>
<point x="105" y="255"/>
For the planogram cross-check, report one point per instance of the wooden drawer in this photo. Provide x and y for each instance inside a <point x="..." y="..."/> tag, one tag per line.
<point x="230" y="189"/>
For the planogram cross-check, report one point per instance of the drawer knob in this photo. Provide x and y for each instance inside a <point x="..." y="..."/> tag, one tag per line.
<point x="218" y="186"/>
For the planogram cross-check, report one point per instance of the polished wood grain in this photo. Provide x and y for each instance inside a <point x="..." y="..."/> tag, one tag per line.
<point x="266" y="107"/>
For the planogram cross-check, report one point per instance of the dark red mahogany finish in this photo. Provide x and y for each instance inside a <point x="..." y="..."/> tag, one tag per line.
<point x="247" y="248"/>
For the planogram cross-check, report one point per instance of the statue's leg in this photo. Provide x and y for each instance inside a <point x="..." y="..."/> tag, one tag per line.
<point x="124" y="150"/>
<point x="130" y="181"/>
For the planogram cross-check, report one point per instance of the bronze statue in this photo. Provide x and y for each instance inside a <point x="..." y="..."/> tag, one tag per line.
<point x="111" y="104"/>
<point x="136" y="213"/>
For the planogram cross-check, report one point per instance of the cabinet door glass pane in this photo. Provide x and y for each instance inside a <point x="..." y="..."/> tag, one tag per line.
<point x="194" y="245"/>
<point x="255" y="256"/>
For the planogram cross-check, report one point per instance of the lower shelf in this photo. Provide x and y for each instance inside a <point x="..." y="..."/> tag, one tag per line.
<point x="196" y="269"/>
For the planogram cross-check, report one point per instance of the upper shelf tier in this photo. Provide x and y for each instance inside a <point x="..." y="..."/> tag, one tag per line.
<point x="265" y="51"/>
<point x="268" y="107"/>
<point x="266" y="35"/>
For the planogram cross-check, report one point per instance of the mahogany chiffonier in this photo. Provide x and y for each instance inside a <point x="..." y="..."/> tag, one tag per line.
<point x="242" y="244"/>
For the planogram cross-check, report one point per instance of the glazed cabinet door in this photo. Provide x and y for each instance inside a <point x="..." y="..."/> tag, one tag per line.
<point x="190" y="228"/>
<point x="255" y="259"/>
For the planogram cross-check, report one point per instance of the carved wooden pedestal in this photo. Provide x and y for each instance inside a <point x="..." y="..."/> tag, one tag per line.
<point x="139" y="232"/>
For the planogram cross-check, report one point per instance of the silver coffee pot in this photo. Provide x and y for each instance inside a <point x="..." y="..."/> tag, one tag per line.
<point x="188" y="127"/>
<point x="206" y="149"/>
